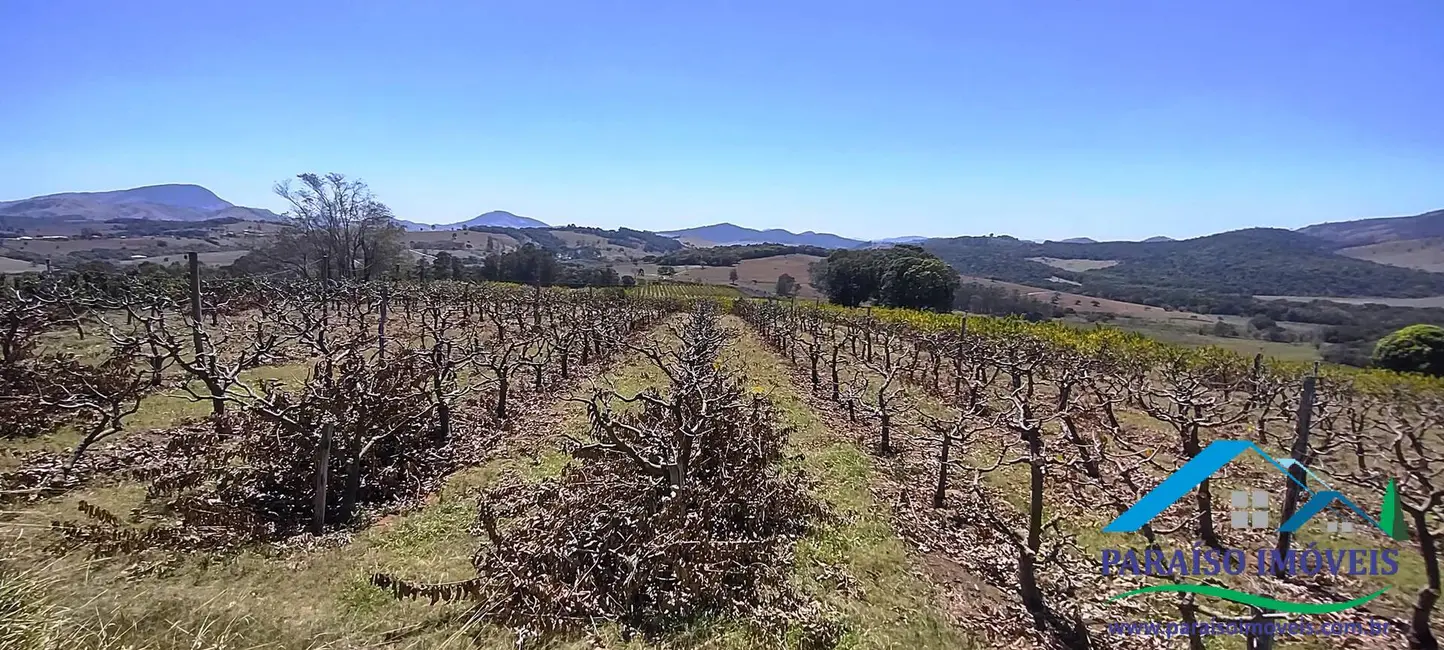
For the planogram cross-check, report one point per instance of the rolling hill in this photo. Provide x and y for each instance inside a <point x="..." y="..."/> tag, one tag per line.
<point x="1362" y="232"/>
<point x="174" y="202"/>
<point x="726" y="234"/>
<point x="1415" y="242"/>
<point x="1255" y="261"/>
<point x="1423" y="254"/>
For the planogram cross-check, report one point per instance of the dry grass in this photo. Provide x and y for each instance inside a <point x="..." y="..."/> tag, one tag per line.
<point x="67" y="246"/>
<point x="1076" y="266"/>
<point x="12" y="265"/>
<point x="1089" y="304"/>
<point x="896" y="608"/>
<point x="419" y="239"/>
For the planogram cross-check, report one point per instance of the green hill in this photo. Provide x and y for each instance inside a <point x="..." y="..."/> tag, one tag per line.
<point x="1255" y="261"/>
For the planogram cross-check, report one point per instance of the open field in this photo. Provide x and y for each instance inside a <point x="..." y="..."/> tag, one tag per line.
<point x="1432" y="302"/>
<point x="1087" y="304"/>
<point x="1074" y="265"/>
<point x="757" y="274"/>
<point x="465" y="239"/>
<point x="607" y="250"/>
<point x="68" y="246"/>
<point x="12" y="265"/>
<point x="219" y="258"/>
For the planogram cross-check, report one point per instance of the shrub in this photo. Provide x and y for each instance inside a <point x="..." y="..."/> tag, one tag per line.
<point x="1416" y="348"/>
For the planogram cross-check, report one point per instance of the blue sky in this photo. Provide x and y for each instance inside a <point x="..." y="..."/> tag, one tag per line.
<point x="1053" y="119"/>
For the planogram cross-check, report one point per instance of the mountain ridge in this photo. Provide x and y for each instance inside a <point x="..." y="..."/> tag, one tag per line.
<point x="730" y="234"/>
<point x="165" y="202"/>
<point x="1375" y="230"/>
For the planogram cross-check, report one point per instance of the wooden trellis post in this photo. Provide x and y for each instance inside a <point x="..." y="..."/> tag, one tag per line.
<point x="1297" y="472"/>
<point x="323" y="459"/>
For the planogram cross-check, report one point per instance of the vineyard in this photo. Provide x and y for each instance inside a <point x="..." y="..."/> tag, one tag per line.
<point x="684" y="290"/>
<point x="248" y="464"/>
<point x="1008" y="446"/>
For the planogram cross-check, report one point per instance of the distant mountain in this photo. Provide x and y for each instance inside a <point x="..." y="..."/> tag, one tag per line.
<point x="911" y="239"/>
<point x="1078" y="240"/>
<point x="1362" y="232"/>
<point x="726" y="234"/>
<point x="176" y="202"/>
<point x="495" y="218"/>
<point x="1158" y="239"/>
<point x="194" y="197"/>
<point x="502" y="219"/>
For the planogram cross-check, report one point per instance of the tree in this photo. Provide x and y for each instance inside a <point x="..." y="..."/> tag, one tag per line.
<point x="920" y="279"/>
<point x="919" y="283"/>
<point x="1225" y="329"/>
<point x="1416" y="348"/>
<point x="629" y="281"/>
<point x="1262" y="322"/>
<point x="442" y="266"/>
<point x="525" y="265"/>
<point x="817" y="275"/>
<point x="786" y="285"/>
<point x="850" y="277"/>
<point x="666" y="271"/>
<point x="732" y="275"/>
<point x="336" y="224"/>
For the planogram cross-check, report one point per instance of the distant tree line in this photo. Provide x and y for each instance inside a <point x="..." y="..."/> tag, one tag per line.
<point x="528" y="264"/>
<point x="154" y="227"/>
<point x="547" y="239"/>
<point x="731" y="255"/>
<point x="978" y="298"/>
<point x="628" y="238"/>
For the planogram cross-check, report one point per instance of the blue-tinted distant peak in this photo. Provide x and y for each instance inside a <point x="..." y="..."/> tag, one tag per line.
<point x="178" y="195"/>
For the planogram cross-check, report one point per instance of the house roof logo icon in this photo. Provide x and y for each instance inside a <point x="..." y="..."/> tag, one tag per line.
<point x="1221" y="452"/>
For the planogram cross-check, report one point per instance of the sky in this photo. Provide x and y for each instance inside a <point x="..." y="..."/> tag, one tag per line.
<point x="1040" y="119"/>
